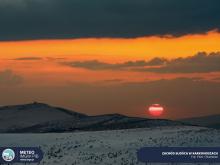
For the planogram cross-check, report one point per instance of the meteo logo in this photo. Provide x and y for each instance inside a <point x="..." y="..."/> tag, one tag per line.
<point x="8" y="155"/>
<point x="27" y="152"/>
<point x="21" y="155"/>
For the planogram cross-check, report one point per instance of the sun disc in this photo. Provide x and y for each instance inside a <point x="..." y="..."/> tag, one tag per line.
<point x="156" y="110"/>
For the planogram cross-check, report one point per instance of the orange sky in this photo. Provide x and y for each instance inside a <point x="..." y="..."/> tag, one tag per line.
<point x="39" y="75"/>
<point x="105" y="49"/>
<point x="114" y="50"/>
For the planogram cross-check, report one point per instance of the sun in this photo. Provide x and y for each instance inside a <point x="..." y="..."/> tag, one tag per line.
<point x="156" y="110"/>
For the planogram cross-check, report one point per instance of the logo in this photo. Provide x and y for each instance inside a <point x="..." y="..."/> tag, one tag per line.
<point x="8" y="155"/>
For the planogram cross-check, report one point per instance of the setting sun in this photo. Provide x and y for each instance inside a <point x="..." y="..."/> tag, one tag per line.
<point x="156" y="110"/>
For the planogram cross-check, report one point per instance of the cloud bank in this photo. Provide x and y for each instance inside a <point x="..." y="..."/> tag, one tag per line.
<point x="199" y="63"/>
<point x="37" y="19"/>
<point x="97" y="65"/>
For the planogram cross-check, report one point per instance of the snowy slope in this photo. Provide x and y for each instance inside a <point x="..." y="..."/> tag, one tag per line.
<point x="22" y="116"/>
<point x="117" y="147"/>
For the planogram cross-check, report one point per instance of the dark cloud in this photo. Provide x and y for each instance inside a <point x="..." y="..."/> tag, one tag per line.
<point x="182" y="97"/>
<point x="7" y="77"/>
<point x="28" y="58"/>
<point x="92" y="65"/>
<point x="156" y="61"/>
<point x="97" y="65"/>
<point x="199" y="63"/>
<point x="34" y="19"/>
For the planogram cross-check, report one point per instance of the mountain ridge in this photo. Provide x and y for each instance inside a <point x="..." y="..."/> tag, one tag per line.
<point x="43" y="118"/>
<point x="211" y="121"/>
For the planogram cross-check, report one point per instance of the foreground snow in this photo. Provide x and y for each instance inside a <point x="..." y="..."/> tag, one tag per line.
<point x="109" y="147"/>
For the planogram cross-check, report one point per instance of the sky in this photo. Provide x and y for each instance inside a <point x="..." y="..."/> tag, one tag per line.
<point x="112" y="56"/>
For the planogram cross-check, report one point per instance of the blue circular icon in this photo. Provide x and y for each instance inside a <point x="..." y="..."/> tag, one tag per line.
<point x="8" y="155"/>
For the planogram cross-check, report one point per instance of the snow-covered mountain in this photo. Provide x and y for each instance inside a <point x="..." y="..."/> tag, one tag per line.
<point x="39" y="117"/>
<point x="212" y="121"/>
<point x="23" y="116"/>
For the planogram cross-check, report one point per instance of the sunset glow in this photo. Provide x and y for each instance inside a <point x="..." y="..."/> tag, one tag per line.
<point x="26" y="56"/>
<point x="109" y="56"/>
<point x="114" y="50"/>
